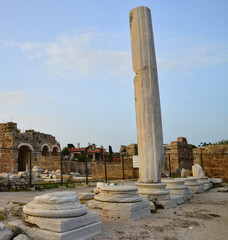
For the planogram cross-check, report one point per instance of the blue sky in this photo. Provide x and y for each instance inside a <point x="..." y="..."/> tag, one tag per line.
<point x="66" y="69"/>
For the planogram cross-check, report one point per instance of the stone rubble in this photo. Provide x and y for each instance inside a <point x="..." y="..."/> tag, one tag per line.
<point x="5" y="232"/>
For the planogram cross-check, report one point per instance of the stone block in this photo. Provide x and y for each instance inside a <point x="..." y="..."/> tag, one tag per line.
<point x="81" y="233"/>
<point x="128" y="211"/>
<point x="5" y="232"/>
<point x="21" y="237"/>
<point x="62" y="224"/>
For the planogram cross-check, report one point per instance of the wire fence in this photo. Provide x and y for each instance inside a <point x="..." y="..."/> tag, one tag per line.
<point x="24" y="159"/>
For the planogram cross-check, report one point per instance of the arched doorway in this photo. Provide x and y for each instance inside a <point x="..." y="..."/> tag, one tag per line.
<point x="45" y="150"/>
<point x="23" y="158"/>
<point x="55" y="151"/>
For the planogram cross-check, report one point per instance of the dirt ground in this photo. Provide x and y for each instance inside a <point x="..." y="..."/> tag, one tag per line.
<point x="204" y="217"/>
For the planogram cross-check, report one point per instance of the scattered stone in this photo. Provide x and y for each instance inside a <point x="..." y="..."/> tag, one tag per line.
<point x="197" y="171"/>
<point x="5" y="232"/>
<point x="37" y="170"/>
<point x="86" y="196"/>
<point x="223" y="189"/>
<point x="21" y="237"/>
<point x="216" y="180"/>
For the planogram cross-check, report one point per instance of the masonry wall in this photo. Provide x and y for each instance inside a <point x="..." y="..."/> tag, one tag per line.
<point x="178" y="155"/>
<point x="13" y="139"/>
<point x="7" y="157"/>
<point x="114" y="170"/>
<point x="214" y="160"/>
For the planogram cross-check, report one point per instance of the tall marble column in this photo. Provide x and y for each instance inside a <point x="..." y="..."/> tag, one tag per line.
<point x="147" y="100"/>
<point x="147" y="104"/>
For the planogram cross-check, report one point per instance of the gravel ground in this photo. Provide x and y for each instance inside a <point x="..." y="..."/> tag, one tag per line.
<point x="204" y="217"/>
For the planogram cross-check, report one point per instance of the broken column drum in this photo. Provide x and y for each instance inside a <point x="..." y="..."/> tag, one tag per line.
<point x="147" y="105"/>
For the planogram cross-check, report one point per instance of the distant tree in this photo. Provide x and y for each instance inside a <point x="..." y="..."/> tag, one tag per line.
<point x="70" y="145"/>
<point x="81" y="158"/>
<point x="93" y="145"/>
<point x="136" y="149"/>
<point x="78" y="145"/>
<point x="110" y="153"/>
<point x="65" y="151"/>
<point x="222" y="142"/>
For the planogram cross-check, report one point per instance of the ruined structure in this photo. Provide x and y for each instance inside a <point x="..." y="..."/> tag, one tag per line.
<point x="178" y="155"/>
<point x="16" y="148"/>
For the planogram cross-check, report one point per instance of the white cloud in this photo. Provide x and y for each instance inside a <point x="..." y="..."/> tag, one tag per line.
<point x="194" y="57"/>
<point x="76" y="55"/>
<point x="10" y="100"/>
<point x="90" y="55"/>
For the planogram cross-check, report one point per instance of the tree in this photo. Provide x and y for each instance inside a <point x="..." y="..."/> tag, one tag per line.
<point x="70" y="145"/>
<point x="110" y="153"/>
<point x="65" y="151"/>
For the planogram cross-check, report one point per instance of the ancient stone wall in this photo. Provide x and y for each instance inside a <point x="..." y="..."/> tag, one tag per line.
<point x="213" y="159"/>
<point x="15" y="147"/>
<point x="53" y="163"/>
<point x="178" y="155"/>
<point x="114" y="170"/>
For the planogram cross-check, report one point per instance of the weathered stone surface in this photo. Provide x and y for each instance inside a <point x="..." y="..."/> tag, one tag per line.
<point x="120" y="202"/>
<point x="178" y="187"/>
<point x="21" y="237"/>
<point x="122" y="194"/>
<point x="223" y="189"/>
<point x="130" y="211"/>
<point x="53" y="205"/>
<point x="5" y="232"/>
<point x="193" y="184"/>
<point x="86" y="196"/>
<point x="147" y="101"/>
<point x="82" y="233"/>
<point x="63" y="224"/>
<point x="197" y="171"/>
<point x="205" y="182"/>
<point x="216" y="180"/>
<point x="153" y="191"/>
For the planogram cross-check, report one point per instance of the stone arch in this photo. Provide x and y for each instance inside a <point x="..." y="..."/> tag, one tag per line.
<point x="45" y="144"/>
<point x="25" y="144"/>
<point x="55" y="150"/>
<point x="24" y="151"/>
<point x="45" y="149"/>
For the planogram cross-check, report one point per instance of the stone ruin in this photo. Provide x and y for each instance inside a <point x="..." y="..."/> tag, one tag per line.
<point x="57" y="216"/>
<point x="16" y="146"/>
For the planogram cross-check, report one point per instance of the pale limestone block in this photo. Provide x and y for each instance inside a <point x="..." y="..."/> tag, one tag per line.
<point x="223" y="189"/>
<point x="21" y="237"/>
<point x="81" y="233"/>
<point x="63" y="224"/>
<point x="216" y="180"/>
<point x="197" y="171"/>
<point x="100" y="185"/>
<point x="130" y="211"/>
<point x="86" y="196"/>
<point x="5" y="232"/>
